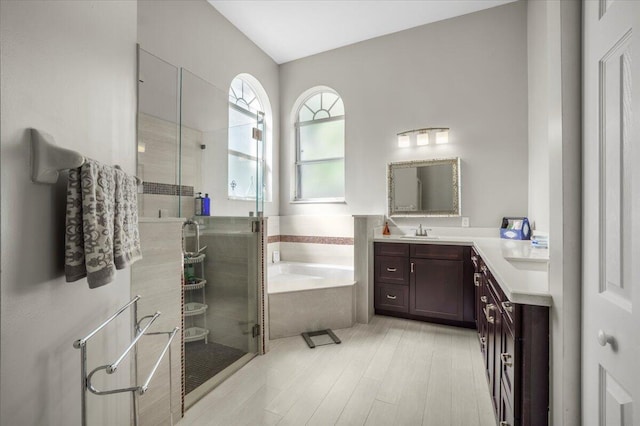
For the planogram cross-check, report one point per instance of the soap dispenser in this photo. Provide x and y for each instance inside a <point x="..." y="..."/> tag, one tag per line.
<point x="206" y="205"/>
<point x="198" y="204"/>
<point x="386" y="230"/>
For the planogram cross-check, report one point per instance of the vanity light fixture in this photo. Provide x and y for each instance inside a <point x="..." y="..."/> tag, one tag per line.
<point x="424" y="136"/>
<point x="403" y="141"/>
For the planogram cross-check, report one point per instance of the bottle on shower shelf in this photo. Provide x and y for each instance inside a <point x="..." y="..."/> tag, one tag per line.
<point x="198" y="204"/>
<point x="206" y="205"/>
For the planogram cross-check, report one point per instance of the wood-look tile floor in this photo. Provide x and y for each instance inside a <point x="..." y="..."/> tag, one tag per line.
<point x="388" y="372"/>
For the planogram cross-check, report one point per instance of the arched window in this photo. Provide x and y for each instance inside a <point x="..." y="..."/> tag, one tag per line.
<point x="320" y="148"/>
<point x="248" y="169"/>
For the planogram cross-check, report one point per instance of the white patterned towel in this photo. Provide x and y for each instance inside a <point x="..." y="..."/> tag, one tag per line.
<point x="102" y="223"/>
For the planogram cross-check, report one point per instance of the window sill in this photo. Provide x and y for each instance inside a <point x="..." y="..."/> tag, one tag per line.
<point x="246" y="199"/>
<point x="320" y="201"/>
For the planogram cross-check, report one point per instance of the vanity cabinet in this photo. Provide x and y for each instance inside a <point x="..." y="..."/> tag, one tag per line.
<point x="429" y="282"/>
<point x="435" y="288"/>
<point x="514" y="340"/>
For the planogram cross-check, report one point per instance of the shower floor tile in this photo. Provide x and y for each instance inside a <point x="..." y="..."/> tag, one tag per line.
<point x="203" y="361"/>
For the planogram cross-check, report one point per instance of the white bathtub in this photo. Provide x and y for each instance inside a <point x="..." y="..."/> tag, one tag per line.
<point x="309" y="297"/>
<point x="284" y="277"/>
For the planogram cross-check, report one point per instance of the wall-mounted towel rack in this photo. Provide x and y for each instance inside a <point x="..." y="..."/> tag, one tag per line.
<point x="48" y="159"/>
<point x="139" y="332"/>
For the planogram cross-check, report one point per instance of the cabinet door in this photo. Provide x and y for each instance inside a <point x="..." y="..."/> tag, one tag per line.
<point x="436" y="288"/>
<point x="505" y="412"/>
<point x="477" y="282"/>
<point x="494" y="340"/>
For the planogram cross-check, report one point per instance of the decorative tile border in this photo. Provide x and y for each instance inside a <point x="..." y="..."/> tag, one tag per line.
<point x="310" y="239"/>
<point x="157" y="188"/>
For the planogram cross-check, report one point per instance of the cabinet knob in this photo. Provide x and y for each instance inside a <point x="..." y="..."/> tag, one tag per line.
<point x="483" y="299"/>
<point x="476" y="279"/>
<point x="506" y="359"/>
<point x="391" y="269"/>
<point x="488" y="309"/>
<point x="604" y="338"/>
<point x="412" y="267"/>
<point x="391" y="297"/>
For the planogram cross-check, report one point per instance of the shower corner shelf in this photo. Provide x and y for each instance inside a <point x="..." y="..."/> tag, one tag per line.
<point x="188" y="260"/>
<point x="200" y="283"/>
<point x="194" y="308"/>
<point x="193" y="334"/>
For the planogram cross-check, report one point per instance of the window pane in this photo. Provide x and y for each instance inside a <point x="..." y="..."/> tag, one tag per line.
<point x="322" y="180"/>
<point x="337" y="109"/>
<point x="322" y="140"/>
<point x="328" y="99"/>
<point x="237" y="118"/>
<point x="314" y="102"/>
<point x="305" y="114"/>
<point x="240" y="140"/>
<point x="242" y="177"/>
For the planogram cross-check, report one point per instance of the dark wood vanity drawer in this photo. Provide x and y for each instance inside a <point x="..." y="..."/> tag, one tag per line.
<point x="507" y="361"/>
<point x="392" y="270"/>
<point x="437" y="251"/>
<point x="391" y="249"/>
<point x="495" y="289"/>
<point x="391" y="297"/>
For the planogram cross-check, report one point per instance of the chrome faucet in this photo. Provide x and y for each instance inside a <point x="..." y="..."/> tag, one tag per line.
<point x="422" y="232"/>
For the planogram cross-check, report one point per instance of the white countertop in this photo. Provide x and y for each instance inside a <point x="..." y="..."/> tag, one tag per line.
<point x="521" y="271"/>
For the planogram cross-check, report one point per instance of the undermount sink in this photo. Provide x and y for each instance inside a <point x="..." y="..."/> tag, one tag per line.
<point x="420" y="237"/>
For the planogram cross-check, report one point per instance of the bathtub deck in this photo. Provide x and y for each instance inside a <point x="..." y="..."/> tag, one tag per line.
<point x="389" y="372"/>
<point x="285" y="283"/>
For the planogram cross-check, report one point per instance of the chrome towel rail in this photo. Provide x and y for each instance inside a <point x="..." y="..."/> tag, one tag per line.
<point x="138" y="332"/>
<point x="113" y="367"/>
<point x="167" y="347"/>
<point x="81" y="342"/>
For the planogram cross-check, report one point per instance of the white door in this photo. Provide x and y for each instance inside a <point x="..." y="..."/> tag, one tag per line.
<point x="611" y="216"/>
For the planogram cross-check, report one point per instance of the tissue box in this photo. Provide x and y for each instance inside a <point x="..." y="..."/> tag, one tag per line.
<point x="515" y="228"/>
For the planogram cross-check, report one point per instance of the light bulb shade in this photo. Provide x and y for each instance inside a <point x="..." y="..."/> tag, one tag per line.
<point x="442" y="137"/>
<point x="422" y="139"/>
<point x="403" y="141"/>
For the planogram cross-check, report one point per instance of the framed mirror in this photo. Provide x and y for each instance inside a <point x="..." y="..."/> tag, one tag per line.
<point x="424" y="188"/>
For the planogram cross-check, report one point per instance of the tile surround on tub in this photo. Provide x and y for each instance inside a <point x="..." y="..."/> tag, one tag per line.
<point x="330" y="226"/>
<point x="317" y="253"/>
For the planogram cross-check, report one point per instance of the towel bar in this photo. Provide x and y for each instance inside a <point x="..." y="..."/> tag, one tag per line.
<point x="48" y="159"/>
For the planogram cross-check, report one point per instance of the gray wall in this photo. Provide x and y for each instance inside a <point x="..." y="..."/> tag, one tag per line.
<point x="538" y="56"/>
<point x="67" y="68"/>
<point x="468" y="73"/>
<point x="193" y="35"/>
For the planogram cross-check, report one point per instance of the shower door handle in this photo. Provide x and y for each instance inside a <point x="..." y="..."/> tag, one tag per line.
<point x="255" y="332"/>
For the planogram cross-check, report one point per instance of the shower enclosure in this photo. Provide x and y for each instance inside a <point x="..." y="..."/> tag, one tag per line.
<point x="191" y="140"/>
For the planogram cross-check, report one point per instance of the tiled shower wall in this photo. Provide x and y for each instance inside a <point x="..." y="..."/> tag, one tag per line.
<point x="311" y="239"/>
<point x="158" y="167"/>
<point x="157" y="278"/>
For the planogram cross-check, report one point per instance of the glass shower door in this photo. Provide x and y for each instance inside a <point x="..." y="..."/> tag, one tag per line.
<point x="226" y="314"/>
